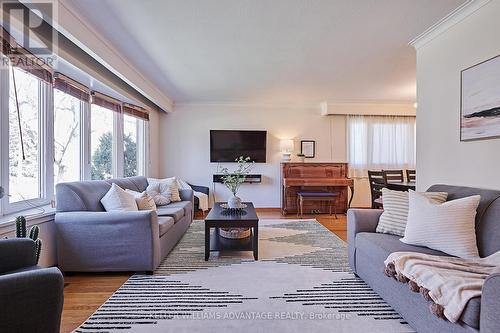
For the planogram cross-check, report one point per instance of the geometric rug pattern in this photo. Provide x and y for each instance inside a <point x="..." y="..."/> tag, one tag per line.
<point x="301" y="283"/>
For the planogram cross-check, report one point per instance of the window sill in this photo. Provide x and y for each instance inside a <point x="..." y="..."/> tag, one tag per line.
<point x="33" y="216"/>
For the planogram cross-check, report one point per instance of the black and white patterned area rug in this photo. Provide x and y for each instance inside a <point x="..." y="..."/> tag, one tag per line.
<point x="301" y="283"/>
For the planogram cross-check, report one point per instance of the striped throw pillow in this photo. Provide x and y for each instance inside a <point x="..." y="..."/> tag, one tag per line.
<point x="448" y="227"/>
<point x="393" y="219"/>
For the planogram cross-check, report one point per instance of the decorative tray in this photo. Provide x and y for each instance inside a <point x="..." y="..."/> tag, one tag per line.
<point x="225" y="206"/>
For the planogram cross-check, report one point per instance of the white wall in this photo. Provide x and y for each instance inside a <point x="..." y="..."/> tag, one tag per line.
<point x="154" y="144"/>
<point x="185" y="146"/>
<point x="441" y="157"/>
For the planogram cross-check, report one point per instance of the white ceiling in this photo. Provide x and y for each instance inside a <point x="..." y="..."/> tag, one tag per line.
<point x="269" y="51"/>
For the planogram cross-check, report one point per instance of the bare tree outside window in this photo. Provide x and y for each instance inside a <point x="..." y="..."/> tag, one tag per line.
<point x="66" y="137"/>
<point x="24" y="174"/>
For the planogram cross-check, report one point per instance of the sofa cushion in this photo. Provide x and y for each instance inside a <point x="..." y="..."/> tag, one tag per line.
<point x="378" y="246"/>
<point x="186" y="205"/>
<point x="176" y="212"/>
<point x="87" y="195"/>
<point x="165" y="223"/>
<point x="472" y="312"/>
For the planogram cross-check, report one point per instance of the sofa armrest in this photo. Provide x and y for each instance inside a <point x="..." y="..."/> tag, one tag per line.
<point x="31" y="301"/>
<point x="107" y="241"/>
<point x="16" y="253"/>
<point x="359" y="220"/>
<point x="202" y="189"/>
<point x="187" y="195"/>
<point x="490" y="305"/>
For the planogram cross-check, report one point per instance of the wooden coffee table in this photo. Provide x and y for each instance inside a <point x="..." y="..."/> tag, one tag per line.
<point x="219" y="218"/>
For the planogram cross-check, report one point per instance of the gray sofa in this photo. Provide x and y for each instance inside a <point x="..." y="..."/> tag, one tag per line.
<point x="89" y="239"/>
<point x="31" y="298"/>
<point x="368" y="250"/>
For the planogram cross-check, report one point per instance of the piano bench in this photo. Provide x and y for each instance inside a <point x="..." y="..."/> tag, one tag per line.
<point x="330" y="197"/>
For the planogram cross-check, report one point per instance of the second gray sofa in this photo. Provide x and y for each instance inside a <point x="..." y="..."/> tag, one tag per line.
<point x="89" y="239"/>
<point x="368" y="250"/>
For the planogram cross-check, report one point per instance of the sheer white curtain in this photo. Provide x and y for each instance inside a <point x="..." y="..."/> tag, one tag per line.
<point x="380" y="142"/>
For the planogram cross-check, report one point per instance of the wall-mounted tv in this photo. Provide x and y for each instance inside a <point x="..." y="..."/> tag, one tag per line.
<point x="228" y="145"/>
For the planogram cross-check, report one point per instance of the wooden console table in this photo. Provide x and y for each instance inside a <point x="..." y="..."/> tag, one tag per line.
<point x="329" y="177"/>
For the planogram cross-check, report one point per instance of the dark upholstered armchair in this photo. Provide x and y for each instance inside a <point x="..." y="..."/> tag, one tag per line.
<point x="202" y="189"/>
<point x="31" y="298"/>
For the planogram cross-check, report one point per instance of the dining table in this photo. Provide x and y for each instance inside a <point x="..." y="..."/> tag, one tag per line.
<point x="401" y="186"/>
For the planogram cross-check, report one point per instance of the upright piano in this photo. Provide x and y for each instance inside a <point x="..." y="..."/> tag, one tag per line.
<point x="311" y="176"/>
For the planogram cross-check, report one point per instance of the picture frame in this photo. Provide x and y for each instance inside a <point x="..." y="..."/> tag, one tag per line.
<point x="308" y="148"/>
<point x="480" y="101"/>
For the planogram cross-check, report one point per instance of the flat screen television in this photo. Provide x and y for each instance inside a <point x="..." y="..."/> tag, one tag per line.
<point x="228" y="145"/>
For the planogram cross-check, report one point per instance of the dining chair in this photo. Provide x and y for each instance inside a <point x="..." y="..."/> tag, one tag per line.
<point x="411" y="175"/>
<point x="393" y="176"/>
<point x="377" y="183"/>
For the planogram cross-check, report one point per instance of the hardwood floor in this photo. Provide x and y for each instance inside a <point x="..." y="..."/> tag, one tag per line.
<point x="84" y="293"/>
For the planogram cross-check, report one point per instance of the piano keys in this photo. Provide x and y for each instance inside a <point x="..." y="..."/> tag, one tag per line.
<point x="330" y="177"/>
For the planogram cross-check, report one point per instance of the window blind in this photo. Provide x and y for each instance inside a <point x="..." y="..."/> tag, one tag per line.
<point x="135" y="111"/>
<point x="23" y="59"/>
<point x="71" y="87"/>
<point x="106" y="101"/>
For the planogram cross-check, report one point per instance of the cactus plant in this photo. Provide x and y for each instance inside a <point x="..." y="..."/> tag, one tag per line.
<point x="38" y="249"/>
<point x="20" y="227"/>
<point x="34" y="231"/>
<point x="33" y="234"/>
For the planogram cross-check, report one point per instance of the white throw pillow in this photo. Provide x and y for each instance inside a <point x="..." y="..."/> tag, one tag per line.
<point x="183" y="185"/>
<point x="143" y="200"/>
<point x="393" y="219"/>
<point x="168" y="188"/>
<point x="160" y="193"/>
<point x="118" y="200"/>
<point x="447" y="227"/>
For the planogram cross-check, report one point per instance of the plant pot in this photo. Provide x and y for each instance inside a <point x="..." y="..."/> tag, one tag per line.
<point x="234" y="202"/>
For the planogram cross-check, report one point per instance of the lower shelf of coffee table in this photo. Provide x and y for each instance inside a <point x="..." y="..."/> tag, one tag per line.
<point x="218" y="243"/>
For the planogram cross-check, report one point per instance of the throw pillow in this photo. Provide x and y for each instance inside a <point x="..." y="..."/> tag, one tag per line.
<point x="447" y="227"/>
<point x="116" y="199"/>
<point x="168" y="185"/>
<point x="143" y="200"/>
<point x="160" y="193"/>
<point x="183" y="185"/>
<point x="393" y="219"/>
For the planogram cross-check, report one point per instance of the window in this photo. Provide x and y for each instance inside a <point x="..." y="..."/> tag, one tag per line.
<point x="130" y="133"/>
<point x="101" y="142"/>
<point x="134" y="149"/>
<point x="67" y="137"/>
<point x="380" y="142"/>
<point x="58" y="136"/>
<point x="25" y="146"/>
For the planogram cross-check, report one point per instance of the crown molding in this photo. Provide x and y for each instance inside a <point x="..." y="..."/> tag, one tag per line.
<point x="106" y="54"/>
<point x="298" y="105"/>
<point x="453" y="18"/>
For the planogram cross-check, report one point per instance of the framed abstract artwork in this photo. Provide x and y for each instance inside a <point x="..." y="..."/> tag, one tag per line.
<point x="480" y="101"/>
<point x="308" y="148"/>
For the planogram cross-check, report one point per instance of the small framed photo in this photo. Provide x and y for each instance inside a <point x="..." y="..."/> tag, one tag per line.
<point x="308" y="148"/>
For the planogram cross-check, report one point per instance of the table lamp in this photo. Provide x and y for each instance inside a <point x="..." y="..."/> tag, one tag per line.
<point x="286" y="148"/>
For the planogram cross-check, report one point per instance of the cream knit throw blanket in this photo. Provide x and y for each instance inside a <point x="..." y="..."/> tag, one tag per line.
<point x="448" y="282"/>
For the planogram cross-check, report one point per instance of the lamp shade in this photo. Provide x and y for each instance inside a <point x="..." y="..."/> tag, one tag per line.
<point x="286" y="146"/>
